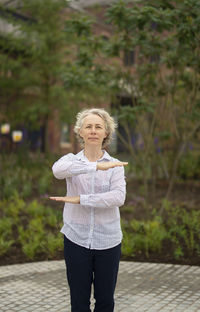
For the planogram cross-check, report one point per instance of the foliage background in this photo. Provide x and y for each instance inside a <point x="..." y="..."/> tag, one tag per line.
<point x="63" y="64"/>
<point x="30" y="222"/>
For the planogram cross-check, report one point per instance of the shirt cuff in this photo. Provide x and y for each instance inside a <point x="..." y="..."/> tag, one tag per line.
<point x="84" y="199"/>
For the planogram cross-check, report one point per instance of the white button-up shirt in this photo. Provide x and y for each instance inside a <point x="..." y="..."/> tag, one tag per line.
<point x="95" y="222"/>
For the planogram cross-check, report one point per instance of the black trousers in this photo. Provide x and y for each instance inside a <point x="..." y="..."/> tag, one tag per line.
<point x="86" y="266"/>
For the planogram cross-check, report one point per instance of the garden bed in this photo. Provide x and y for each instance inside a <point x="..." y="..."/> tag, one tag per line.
<point x="30" y="223"/>
<point x="33" y="226"/>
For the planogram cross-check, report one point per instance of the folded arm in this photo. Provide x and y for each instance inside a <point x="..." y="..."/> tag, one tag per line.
<point x="68" y="166"/>
<point x="113" y="198"/>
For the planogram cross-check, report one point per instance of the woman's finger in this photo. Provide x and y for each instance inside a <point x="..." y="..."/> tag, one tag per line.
<point x="58" y="198"/>
<point x="122" y="163"/>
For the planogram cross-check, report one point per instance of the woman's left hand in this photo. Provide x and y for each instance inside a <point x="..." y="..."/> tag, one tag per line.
<point x="67" y="199"/>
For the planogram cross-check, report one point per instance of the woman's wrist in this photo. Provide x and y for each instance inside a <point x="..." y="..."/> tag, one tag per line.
<point x="73" y="199"/>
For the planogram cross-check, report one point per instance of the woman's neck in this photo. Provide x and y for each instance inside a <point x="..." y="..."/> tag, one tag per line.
<point x="93" y="154"/>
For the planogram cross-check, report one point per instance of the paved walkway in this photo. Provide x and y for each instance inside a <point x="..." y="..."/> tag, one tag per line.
<point x="41" y="287"/>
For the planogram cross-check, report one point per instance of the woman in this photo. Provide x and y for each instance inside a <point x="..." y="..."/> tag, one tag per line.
<point x="92" y="233"/>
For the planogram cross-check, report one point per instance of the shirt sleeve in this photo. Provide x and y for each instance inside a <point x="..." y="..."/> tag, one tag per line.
<point x="68" y="166"/>
<point x="115" y="197"/>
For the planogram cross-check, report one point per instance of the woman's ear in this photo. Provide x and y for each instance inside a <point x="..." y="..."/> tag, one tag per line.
<point x="80" y="133"/>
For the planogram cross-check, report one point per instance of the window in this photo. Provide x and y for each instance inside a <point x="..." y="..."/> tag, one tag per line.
<point x="155" y="58"/>
<point x="65" y="135"/>
<point x="129" y="58"/>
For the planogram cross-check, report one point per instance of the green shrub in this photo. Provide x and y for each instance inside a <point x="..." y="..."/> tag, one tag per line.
<point x="183" y="229"/>
<point x="149" y="235"/>
<point x="25" y="174"/>
<point x="178" y="228"/>
<point x="178" y="252"/>
<point x="6" y="227"/>
<point x="143" y="237"/>
<point x="27" y="224"/>
<point x="5" y="235"/>
<point x="13" y="207"/>
<point x="5" y="245"/>
<point x="189" y="166"/>
<point x="35" y="210"/>
<point x="44" y="181"/>
<point x="54" y="243"/>
<point x="51" y="219"/>
<point x="32" y="227"/>
<point x="127" y="242"/>
<point x="33" y="246"/>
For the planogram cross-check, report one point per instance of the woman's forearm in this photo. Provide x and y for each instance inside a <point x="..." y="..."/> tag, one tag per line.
<point x="67" y="199"/>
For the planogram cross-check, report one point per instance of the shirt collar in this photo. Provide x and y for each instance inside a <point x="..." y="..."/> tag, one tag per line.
<point x="81" y="156"/>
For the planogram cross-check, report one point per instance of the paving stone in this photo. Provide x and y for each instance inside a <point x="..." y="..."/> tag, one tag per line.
<point x="141" y="287"/>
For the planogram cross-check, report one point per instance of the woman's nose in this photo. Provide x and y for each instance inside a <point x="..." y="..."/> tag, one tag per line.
<point x="93" y="129"/>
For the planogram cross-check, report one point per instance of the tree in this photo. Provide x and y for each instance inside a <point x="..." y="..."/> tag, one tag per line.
<point x="162" y="85"/>
<point x="88" y="73"/>
<point x="32" y="63"/>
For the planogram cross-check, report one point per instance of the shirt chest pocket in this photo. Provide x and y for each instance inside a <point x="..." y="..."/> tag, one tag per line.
<point x="105" y="187"/>
<point x="102" y="182"/>
<point x="102" y="188"/>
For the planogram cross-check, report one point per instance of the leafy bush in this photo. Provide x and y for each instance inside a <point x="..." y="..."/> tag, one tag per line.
<point x="143" y="237"/>
<point x="189" y="167"/>
<point x="5" y="235"/>
<point x="5" y="245"/>
<point x="26" y="224"/>
<point x="32" y="227"/>
<point x="183" y="230"/>
<point x="28" y="175"/>
<point x="127" y="242"/>
<point x="53" y="244"/>
<point x="178" y="228"/>
<point x="44" y="181"/>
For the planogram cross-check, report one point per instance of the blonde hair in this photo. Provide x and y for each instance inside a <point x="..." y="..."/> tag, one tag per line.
<point x="110" y="124"/>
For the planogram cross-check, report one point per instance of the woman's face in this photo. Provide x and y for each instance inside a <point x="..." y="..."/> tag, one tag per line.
<point x="93" y="130"/>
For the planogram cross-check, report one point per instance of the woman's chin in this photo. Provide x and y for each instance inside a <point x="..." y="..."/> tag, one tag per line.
<point x="93" y="143"/>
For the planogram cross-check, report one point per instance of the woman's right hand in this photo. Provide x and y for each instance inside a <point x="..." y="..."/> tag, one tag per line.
<point x="110" y="164"/>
